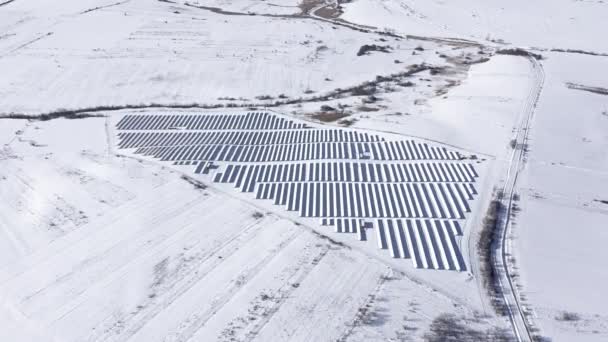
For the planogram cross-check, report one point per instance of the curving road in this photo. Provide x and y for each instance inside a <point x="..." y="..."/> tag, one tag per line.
<point x="518" y="319"/>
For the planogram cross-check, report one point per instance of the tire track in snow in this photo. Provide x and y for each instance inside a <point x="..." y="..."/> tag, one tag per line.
<point x="198" y="319"/>
<point x="163" y="293"/>
<point x="295" y="275"/>
<point x="176" y="289"/>
<point x="77" y="279"/>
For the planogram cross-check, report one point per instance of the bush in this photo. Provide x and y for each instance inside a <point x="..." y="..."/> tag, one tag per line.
<point x="364" y="90"/>
<point x="448" y="327"/>
<point x="329" y="116"/>
<point x="568" y="316"/>
<point x="406" y="84"/>
<point x="370" y="99"/>
<point x="366" y="49"/>
<point x="519" y="52"/>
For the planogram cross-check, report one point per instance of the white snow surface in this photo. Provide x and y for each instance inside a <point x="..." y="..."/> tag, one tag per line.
<point x="123" y="249"/>
<point x="560" y="232"/>
<point x="99" y="246"/>
<point x="545" y="24"/>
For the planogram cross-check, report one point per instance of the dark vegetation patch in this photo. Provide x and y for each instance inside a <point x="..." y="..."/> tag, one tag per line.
<point x="449" y="327"/>
<point x="329" y="116"/>
<point x="519" y="52"/>
<point x="213" y="9"/>
<point x="582" y="52"/>
<point x="88" y="112"/>
<point x="308" y="5"/>
<point x="61" y="113"/>
<point x="406" y="84"/>
<point x="367" y="109"/>
<point x="437" y="70"/>
<point x="365" y="88"/>
<point x="370" y="99"/>
<point x="264" y="97"/>
<point x="257" y="215"/>
<point x="566" y="316"/>
<point x="100" y="7"/>
<point x="442" y="90"/>
<point x="469" y="61"/>
<point x="347" y="122"/>
<point x="197" y="184"/>
<point x="595" y="90"/>
<point x="330" y="240"/>
<point x="366" y="49"/>
<point x="488" y="238"/>
<point x="329" y="12"/>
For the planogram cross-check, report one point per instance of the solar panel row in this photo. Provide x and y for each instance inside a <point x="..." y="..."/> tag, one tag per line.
<point x="387" y="151"/>
<point x="410" y="193"/>
<point x="253" y="121"/>
<point x="428" y="243"/>
<point x="240" y="137"/>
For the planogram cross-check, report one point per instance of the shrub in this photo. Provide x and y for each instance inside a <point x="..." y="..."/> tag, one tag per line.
<point x="366" y="49"/>
<point x="264" y="97"/>
<point x="448" y="327"/>
<point x="519" y="52"/>
<point x="568" y="316"/>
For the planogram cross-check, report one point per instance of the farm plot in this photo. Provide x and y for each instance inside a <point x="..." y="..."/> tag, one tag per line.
<point x="413" y="195"/>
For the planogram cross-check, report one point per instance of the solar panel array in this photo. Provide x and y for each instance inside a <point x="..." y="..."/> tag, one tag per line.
<point x="411" y="197"/>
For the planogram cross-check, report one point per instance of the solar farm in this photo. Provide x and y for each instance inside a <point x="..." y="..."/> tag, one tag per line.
<point x="411" y="197"/>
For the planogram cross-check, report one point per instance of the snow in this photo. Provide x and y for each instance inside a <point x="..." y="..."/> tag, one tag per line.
<point x="97" y="245"/>
<point x="171" y="261"/>
<point x="543" y="24"/>
<point x="153" y="55"/>
<point x="560" y="232"/>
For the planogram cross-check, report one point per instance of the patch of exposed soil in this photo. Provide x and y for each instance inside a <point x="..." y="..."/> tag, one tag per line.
<point x="329" y="116"/>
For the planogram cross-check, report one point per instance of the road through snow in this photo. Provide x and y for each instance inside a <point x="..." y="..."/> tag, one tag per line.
<point x="518" y="319"/>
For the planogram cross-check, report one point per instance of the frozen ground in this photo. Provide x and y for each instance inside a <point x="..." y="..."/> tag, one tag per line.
<point x="97" y="246"/>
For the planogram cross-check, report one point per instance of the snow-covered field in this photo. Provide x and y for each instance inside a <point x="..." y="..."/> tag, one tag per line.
<point x="560" y="232"/>
<point x="543" y="24"/>
<point x="118" y="248"/>
<point x="104" y="242"/>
